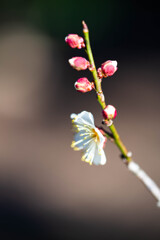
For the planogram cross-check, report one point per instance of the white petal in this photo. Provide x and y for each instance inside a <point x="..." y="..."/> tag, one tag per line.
<point x="101" y="138"/>
<point x="85" y="118"/>
<point x="103" y="158"/>
<point x="88" y="117"/>
<point x="114" y="64"/>
<point x="89" y="153"/>
<point x="73" y="115"/>
<point x="71" y="61"/>
<point x="99" y="157"/>
<point x="81" y="141"/>
<point x="87" y="140"/>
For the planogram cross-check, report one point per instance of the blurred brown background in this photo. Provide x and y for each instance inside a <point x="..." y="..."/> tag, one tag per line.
<point x="46" y="192"/>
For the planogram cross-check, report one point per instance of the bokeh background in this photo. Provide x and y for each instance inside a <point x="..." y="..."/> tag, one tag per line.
<point x="46" y="192"/>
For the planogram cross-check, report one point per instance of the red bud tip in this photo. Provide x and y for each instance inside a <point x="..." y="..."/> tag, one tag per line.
<point x="75" y="41"/>
<point x="83" y="85"/>
<point x="109" y="112"/>
<point x="108" y="68"/>
<point x="79" y="63"/>
<point x="85" y="28"/>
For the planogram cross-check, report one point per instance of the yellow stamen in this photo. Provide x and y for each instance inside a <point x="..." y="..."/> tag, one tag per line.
<point x="73" y="144"/>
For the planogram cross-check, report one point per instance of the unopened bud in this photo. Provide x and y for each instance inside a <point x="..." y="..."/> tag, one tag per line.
<point x="75" y="41"/>
<point x="83" y="85"/>
<point x="109" y="112"/>
<point x="79" y="63"/>
<point x="85" y="28"/>
<point x="100" y="74"/>
<point x="108" y="68"/>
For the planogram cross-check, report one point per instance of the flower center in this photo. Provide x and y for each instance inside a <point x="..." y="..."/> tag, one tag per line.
<point x="96" y="136"/>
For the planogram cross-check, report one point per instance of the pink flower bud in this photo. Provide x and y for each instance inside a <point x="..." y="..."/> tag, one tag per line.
<point x="79" y="63"/>
<point x="83" y="85"/>
<point x="109" y="112"/>
<point x="75" y="41"/>
<point x="109" y="68"/>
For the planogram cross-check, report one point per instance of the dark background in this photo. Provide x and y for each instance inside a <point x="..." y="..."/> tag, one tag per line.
<point x="46" y="191"/>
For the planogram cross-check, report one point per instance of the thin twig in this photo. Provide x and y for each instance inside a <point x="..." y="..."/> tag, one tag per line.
<point x="114" y="136"/>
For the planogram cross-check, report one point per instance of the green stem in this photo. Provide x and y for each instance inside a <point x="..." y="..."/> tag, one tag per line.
<point x="119" y="143"/>
<point x="97" y="81"/>
<point x="99" y="92"/>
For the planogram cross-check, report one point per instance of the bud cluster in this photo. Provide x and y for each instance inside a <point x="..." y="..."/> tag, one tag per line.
<point x="83" y="85"/>
<point x="79" y="63"/>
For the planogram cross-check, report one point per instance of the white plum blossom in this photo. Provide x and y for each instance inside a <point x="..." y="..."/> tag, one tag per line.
<point x="88" y="138"/>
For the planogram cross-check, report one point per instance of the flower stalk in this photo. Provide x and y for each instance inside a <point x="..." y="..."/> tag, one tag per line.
<point x="88" y="138"/>
<point x="131" y="165"/>
<point x="97" y="81"/>
<point x="99" y="92"/>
